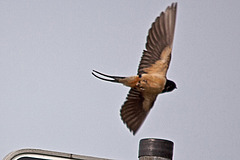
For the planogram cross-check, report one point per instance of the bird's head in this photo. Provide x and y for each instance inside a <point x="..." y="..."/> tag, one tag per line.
<point x="170" y="86"/>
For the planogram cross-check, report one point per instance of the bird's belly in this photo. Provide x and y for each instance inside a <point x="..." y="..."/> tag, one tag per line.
<point x="152" y="83"/>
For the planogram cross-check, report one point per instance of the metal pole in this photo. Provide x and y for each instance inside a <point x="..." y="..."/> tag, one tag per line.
<point x="155" y="149"/>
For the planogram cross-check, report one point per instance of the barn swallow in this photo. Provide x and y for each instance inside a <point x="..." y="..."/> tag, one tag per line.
<point x="151" y="78"/>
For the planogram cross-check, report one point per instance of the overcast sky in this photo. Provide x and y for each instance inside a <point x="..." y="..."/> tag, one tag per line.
<point x="49" y="99"/>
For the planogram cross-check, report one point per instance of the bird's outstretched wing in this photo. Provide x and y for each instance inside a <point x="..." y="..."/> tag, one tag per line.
<point x="157" y="56"/>
<point x="155" y="59"/>
<point x="132" y="112"/>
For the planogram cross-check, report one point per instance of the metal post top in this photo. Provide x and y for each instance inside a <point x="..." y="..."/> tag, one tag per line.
<point x="156" y="147"/>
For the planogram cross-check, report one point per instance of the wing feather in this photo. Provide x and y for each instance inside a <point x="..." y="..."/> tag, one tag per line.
<point x="160" y="36"/>
<point x="132" y="112"/>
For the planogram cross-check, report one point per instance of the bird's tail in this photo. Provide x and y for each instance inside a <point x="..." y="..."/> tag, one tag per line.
<point x="106" y="77"/>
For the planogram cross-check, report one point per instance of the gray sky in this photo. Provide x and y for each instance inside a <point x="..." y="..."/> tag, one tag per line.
<point x="49" y="99"/>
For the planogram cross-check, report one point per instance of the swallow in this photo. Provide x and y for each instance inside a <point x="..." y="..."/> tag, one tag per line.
<point x="151" y="79"/>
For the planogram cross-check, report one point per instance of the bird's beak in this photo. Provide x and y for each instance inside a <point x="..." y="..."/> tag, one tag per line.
<point x="113" y="78"/>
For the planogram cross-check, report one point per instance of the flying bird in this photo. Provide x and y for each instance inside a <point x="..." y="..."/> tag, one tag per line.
<point x="151" y="78"/>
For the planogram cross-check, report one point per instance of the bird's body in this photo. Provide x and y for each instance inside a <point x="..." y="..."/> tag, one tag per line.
<point x="151" y="79"/>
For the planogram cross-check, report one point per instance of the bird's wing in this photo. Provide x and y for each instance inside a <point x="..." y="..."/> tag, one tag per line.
<point x="133" y="111"/>
<point x="157" y="56"/>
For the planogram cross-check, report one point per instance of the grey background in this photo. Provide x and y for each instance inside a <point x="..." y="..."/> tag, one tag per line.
<point x="50" y="100"/>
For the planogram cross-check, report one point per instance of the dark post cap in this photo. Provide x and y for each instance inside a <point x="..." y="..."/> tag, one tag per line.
<point x="156" y="147"/>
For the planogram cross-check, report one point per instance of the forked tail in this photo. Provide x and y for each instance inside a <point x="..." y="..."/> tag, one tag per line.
<point x="111" y="78"/>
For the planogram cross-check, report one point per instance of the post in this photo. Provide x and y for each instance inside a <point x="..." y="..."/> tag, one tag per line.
<point x="155" y="149"/>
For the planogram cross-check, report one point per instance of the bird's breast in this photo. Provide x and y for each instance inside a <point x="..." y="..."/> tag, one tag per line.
<point x="152" y="83"/>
